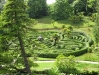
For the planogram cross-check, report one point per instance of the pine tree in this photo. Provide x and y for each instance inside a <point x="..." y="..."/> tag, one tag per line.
<point x="14" y="24"/>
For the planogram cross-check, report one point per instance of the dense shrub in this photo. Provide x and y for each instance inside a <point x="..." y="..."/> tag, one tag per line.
<point x="76" y="18"/>
<point x="53" y="72"/>
<point x="86" y="72"/>
<point x="65" y="64"/>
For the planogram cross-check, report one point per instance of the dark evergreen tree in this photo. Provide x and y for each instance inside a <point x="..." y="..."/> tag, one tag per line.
<point x="14" y="23"/>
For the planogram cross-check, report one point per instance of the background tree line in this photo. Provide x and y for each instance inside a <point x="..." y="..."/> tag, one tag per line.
<point x="61" y="9"/>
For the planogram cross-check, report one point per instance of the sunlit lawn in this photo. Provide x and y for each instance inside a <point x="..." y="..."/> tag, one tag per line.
<point x="88" y="57"/>
<point x="45" y="22"/>
<point x="44" y="59"/>
<point x="87" y="67"/>
<point x="79" y="66"/>
<point x="44" y="65"/>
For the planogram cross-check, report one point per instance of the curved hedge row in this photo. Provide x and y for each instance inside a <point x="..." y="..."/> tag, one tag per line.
<point x="54" y="55"/>
<point x="76" y="44"/>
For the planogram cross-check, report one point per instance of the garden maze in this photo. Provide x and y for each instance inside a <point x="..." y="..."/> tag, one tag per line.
<point x="52" y="43"/>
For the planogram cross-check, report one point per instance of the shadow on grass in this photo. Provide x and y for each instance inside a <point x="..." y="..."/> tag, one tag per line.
<point x="68" y="22"/>
<point x="45" y="20"/>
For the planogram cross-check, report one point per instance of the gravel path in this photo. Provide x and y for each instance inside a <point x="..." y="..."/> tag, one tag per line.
<point x="79" y="61"/>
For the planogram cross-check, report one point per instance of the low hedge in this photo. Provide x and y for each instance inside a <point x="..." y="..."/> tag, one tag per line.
<point x="89" y="73"/>
<point x="54" y="55"/>
<point x="48" y="55"/>
<point x="77" y="53"/>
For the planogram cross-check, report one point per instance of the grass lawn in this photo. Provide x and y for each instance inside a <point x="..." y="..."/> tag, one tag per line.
<point x="80" y="66"/>
<point x="87" y="67"/>
<point x="85" y="57"/>
<point x="88" y="57"/>
<point x="85" y="26"/>
<point x="45" y="22"/>
<point x="44" y="65"/>
<point x="44" y="59"/>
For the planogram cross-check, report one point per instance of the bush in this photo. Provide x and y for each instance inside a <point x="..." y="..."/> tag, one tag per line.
<point x="86" y="72"/>
<point x="65" y="64"/>
<point x="53" y="72"/>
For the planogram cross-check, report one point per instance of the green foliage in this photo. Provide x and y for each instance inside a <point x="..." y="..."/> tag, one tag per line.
<point x="53" y="72"/>
<point x="93" y="17"/>
<point x="2" y="2"/>
<point x="86" y="72"/>
<point x="14" y="22"/>
<point x="76" y="18"/>
<point x="37" y="8"/>
<point x="48" y="55"/>
<point x="65" y="64"/>
<point x="61" y="10"/>
<point x="32" y="63"/>
<point x="86" y="6"/>
<point x="78" y="5"/>
<point x="55" y="54"/>
<point x="77" y="52"/>
<point x="77" y="44"/>
<point x="96" y="27"/>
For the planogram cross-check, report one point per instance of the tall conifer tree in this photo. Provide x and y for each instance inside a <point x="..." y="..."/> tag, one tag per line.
<point x="14" y="23"/>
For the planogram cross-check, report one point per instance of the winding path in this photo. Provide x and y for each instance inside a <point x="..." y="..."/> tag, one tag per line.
<point x="79" y="61"/>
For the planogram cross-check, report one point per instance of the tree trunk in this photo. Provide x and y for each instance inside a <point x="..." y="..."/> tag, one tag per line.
<point x="24" y="55"/>
<point x="86" y="7"/>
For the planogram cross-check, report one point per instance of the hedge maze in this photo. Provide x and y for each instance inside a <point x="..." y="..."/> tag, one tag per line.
<point x="52" y="43"/>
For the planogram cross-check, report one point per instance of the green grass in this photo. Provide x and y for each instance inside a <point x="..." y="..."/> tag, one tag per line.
<point x="44" y="59"/>
<point x="86" y="25"/>
<point x="44" y="65"/>
<point x="87" y="67"/>
<point x="45" y="22"/>
<point x="88" y="57"/>
<point x="79" y="66"/>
